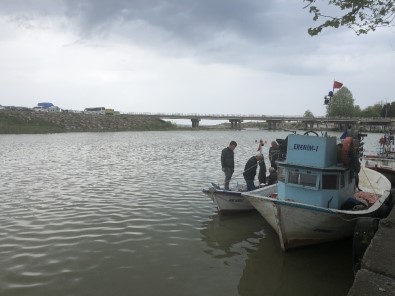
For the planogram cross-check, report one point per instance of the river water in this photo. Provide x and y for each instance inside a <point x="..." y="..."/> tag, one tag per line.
<point x="123" y="214"/>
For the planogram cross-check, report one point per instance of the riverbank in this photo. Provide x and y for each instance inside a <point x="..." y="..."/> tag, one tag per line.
<point x="33" y="122"/>
<point x="377" y="273"/>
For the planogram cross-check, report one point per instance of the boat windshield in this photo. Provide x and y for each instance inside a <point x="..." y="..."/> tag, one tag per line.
<point x="302" y="178"/>
<point x="332" y="181"/>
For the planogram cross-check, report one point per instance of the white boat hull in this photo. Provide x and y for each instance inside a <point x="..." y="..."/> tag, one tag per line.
<point x="385" y="166"/>
<point x="231" y="201"/>
<point x="300" y="224"/>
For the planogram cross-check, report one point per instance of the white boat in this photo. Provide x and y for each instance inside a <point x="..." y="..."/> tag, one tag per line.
<point x="229" y="200"/>
<point x="312" y="193"/>
<point x="384" y="161"/>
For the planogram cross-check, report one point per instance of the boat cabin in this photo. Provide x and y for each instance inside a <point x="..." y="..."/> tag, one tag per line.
<point x="311" y="173"/>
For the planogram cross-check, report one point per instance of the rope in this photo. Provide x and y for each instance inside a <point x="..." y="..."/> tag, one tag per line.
<point x="374" y="191"/>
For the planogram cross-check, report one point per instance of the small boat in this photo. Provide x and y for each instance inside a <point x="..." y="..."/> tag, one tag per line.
<point x="315" y="199"/>
<point x="384" y="161"/>
<point x="229" y="200"/>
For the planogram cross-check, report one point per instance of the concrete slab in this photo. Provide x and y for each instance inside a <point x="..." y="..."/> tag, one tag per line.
<point x="380" y="255"/>
<point x="377" y="273"/>
<point x="368" y="283"/>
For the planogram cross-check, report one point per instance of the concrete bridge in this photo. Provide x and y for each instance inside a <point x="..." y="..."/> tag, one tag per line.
<point x="275" y="121"/>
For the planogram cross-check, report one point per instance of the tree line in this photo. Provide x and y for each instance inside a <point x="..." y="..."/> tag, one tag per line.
<point x="342" y="105"/>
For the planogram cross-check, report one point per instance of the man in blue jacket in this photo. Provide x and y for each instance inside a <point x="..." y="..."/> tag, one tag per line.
<point x="228" y="162"/>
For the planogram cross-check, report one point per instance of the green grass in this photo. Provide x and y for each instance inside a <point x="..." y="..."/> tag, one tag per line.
<point x="23" y="122"/>
<point x="12" y="124"/>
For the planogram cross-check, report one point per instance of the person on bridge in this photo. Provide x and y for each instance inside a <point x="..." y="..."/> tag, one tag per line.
<point x="250" y="170"/>
<point x="228" y="162"/>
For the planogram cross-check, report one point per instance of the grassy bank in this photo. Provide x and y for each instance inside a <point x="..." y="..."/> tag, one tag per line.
<point x="32" y="122"/>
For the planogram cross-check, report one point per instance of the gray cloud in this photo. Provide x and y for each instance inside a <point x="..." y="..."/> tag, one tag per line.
<point x="265" y="43"/>
<point x="216" y="30"/>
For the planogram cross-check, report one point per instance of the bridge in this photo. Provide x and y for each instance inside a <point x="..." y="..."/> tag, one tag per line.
<point x="275" y="121"/>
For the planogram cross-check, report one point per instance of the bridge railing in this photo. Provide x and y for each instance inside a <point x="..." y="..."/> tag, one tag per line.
<point x="259" y="117"/>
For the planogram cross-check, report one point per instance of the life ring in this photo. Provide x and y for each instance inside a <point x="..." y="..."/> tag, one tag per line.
<point x="308" y="133"/>
<point x="383" y="140"/>
<point x="345" y="152"/>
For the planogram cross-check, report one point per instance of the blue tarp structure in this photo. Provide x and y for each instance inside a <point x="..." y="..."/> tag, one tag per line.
<point x="344" y="135"/>
<point x="45" y="105"/>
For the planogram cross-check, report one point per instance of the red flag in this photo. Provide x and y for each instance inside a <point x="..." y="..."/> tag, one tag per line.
<point x="337" y="84"/>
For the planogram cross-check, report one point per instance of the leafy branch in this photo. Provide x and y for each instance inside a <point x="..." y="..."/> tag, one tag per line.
<point x="362" y="16"/>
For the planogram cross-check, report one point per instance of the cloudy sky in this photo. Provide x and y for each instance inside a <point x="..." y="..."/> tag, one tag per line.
<point x="180" y="56"/>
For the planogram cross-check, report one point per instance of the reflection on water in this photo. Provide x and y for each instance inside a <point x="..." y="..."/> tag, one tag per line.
<point x="233" y="234"/>
<point x="319" y="270"/>
<point x="123" y="214"/>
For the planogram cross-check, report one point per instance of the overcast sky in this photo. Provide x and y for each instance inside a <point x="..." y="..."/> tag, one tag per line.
<point x="179" y="56"/>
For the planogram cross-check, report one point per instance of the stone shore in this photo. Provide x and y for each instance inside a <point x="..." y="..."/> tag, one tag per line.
<point x="377" y="273"/>
<point x="32" y="121"/>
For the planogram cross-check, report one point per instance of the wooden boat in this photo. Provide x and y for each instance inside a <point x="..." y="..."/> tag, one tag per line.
<point x="384" y="161"/>
<point x="229" y="200"/>
<point x="314" y="194"/>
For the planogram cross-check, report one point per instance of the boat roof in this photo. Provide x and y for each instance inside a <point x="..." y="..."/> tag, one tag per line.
<point x="311" y="151"/>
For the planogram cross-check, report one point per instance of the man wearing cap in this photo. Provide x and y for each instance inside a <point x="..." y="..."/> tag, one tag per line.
<point x="228" y="162"/>
<point x="250" y="170"/>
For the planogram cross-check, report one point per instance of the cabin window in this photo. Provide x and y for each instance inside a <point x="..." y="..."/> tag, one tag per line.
<point x="342" y="181"/>
<point x="308" y="180"/>
<point x="350" y="176"/>
<point x="330" y="182"/>
<point x="302" y="178"/>
<point x="280" y="174"/>
<point x="293" y="177"/>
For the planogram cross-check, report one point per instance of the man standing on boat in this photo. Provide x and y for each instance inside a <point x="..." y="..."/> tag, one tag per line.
<point x="274" y="152"/>
<point x="228" y="162"/>
<point x="262" y="171"/>
<point x="272" y="178"/>
<point x="250" y="170"/>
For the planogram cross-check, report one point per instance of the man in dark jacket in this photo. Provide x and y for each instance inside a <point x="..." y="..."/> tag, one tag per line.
<point x="250" y="170"/>
<point x="228" y="162"/>
<point x="262" y="171"/>
<point x="274" y="152"/>
<point x="272" y="179"/>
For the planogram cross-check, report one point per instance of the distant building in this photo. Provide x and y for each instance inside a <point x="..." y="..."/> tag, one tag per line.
<point x="95" y="110"/>
<point x="109" y="111"/>
<point x="54" y="109"/>
<point x="40" y="108"/>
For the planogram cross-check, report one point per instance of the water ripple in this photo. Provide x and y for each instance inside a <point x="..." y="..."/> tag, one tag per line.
<point x="104" y="214"/>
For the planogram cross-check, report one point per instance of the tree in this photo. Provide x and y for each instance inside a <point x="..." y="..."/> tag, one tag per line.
<point x="342" y="104"/>
<point x="357" y="111"/>
<point x="308" y="114"/>
<point x="362" y="16"/>
<point x="388" y="110"/>
<point x="372" y="111"/>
